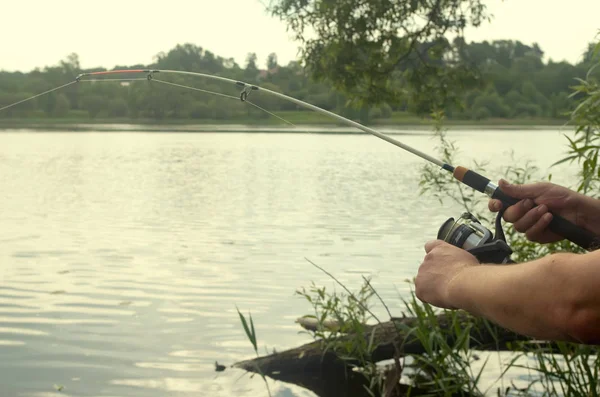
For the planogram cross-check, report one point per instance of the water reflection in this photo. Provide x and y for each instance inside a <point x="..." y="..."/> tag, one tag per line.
<point x="124" y="255"/>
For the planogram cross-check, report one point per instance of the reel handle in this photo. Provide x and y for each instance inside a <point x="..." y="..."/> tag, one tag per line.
<point x="559" y="225"/>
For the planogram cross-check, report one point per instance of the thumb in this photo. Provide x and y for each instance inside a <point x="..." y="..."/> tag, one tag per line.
<point x="519" y="191"/>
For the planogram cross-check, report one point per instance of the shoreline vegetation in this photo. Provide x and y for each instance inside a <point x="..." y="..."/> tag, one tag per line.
<point x="303" y="121"/>
<point x="518" y="90"/>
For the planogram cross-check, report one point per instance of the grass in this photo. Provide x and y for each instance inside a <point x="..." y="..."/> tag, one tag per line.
<point x="445" y="368"/>
<point x="251" y="335"/>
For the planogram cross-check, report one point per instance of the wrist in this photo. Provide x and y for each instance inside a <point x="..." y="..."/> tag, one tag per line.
<point x="457" y="288"/>
<point x="589" y="210"/>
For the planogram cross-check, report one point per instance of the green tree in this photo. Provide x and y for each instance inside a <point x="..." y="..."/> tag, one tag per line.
<point x="71" y="66"/>
<point x="360" y="47"/>
<point x="265" y="101"/>
<point x="61" y="106"/>
<point x="94" y="104"/>
<point x="200" y="110"/>
<point x="493" y="103"/>
<point x="118" y="108"/>
<point x="560" y="104"/>
<point x="251" y="59"/>
<point x="591" y="54"/>
<point x="183" y="57"/>
<point x="500" y="78"/>
<point x="534" y="97"/>
<point x="272" y="61"/>
<point x="514" y="81"/>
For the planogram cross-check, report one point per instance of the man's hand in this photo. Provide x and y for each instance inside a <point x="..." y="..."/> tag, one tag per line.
<point x="549" y="197"/>
<point x="440" y="266"/>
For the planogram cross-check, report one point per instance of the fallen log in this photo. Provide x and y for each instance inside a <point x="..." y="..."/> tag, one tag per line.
<point x="326" y="374"/>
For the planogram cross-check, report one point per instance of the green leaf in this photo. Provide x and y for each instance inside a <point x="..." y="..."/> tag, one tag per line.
<point x="254" y="342"/>
<point x="249" y="334"/>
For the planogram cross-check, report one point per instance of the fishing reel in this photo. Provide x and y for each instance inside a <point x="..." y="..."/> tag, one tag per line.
<point x="469" y="234"/>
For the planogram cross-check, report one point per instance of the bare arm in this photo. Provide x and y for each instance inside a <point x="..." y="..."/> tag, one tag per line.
<point x="556" y="297"/>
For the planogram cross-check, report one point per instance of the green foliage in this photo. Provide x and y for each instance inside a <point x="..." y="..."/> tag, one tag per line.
<point x="251" y="335"/>
<point x="356" y="46"/>
<point x="565" y="369"/>
<point x="61" y="106"/>
<point x="504" y="89"/>
<point x="272" y="61"/>
<point x="349" y="312"/>
<point x="442" y="185"/>
<point x="585" y="145"/>
<point x="250" y="332"/>
<point x="481" y="113"/>
<point x="251" y="65"/>
<point x="94" y="104"/>
<point x="118" y="108"/>
<point x="493" y="104"/>
<point x="339" y="314"/>
<point x="445" y="367"/>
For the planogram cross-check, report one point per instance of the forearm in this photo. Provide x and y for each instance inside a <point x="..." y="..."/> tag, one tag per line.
<point x="555" y="297"/>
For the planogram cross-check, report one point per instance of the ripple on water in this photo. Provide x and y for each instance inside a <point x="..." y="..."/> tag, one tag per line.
<point x="124" y="256"/>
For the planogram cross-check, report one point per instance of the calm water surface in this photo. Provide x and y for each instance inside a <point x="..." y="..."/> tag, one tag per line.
<point x="124" y="255"/>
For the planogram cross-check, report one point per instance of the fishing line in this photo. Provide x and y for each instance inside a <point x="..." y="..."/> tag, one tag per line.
<point x="195" y="89"/>
<point x="248" y="88"/>
<point x="148" y="79"/>
<point x="222" y="95"/>
<point x="558" y="225"/>
<point x="37" y="95"/>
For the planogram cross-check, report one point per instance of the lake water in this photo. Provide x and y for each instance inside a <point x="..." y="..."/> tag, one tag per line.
<point x="124" y="255"/>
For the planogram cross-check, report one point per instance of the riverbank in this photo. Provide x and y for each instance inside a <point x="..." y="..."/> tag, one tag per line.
<point x="300" y="122"/>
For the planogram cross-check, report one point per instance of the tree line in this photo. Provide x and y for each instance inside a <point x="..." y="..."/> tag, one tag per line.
<point x="515" y="82"/>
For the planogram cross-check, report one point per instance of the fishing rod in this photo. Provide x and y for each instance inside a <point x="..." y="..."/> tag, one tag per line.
<point x="558" y="225"/>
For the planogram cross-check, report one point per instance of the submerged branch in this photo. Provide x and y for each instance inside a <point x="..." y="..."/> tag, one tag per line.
<point x="322" y="371"/>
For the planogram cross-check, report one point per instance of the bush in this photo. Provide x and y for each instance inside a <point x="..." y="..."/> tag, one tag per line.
<point x="493" y="103"/>
<point x="481" y="113"/>
<point x="61" y="106"/>
<point x="118" y="108"/>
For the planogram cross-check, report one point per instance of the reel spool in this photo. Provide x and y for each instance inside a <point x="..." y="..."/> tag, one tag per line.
<point x="469" y="234"/>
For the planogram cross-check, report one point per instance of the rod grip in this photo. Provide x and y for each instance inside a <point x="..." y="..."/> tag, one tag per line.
<point x="559" y="225"/>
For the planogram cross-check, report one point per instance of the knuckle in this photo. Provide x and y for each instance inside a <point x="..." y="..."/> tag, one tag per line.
<point x="418" y="289"/>
<point x="519" y="227"/>
<point x="540" y="187"/>
<point x="518" y="188"/>
<point x="510" y="216"/>
<point x="531" y="234"/>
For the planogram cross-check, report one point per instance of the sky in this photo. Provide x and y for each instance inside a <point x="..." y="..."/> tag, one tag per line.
<point x="38" y="33"/>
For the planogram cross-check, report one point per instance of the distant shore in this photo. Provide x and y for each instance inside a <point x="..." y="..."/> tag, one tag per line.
<point x="302" y="121"/>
